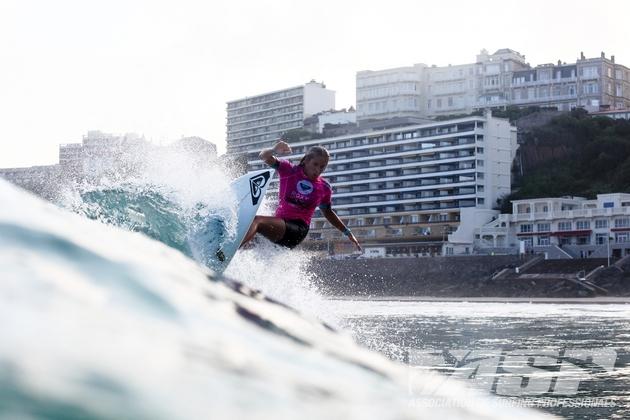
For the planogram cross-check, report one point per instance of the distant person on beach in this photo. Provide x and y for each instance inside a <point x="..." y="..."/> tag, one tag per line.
<point x="302" y="190"/>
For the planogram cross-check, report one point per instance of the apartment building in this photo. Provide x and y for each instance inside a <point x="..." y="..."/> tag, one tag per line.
<point x="492" y="81"/>
<point x="403" y="188"/>
<point x="256" y="122"/>
<point x="390" y="93"/>
<point x="569" y="227"/>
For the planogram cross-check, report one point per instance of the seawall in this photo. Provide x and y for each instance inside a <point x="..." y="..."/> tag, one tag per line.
<point x="437" y="276"/>
<point x="455" y="277"/>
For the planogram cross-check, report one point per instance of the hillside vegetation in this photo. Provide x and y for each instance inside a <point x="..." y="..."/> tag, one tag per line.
<point x="573" y="154"/>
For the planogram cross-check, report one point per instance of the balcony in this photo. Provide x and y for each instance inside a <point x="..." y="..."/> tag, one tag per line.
<point x="550" y="98"/>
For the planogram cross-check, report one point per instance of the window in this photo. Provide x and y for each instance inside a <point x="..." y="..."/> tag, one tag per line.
<point x="543" y="241"/>
<point x="600" y="238"/>
<point x="591" y="72"/>
<point x="543" y="227"/>
<point x="479" y="175"/>
<point x="480" y="150"/>
<point x="479" y="162"/>
<point x="583" y="240"/>
<point x="621" y="237"/>
<point x="601" y="224"/>
<point x="590" y="88"/>
<point x="622" y="223"/>
<point x="527" y="228"/>
<point x="564" y="226"/>
<point x="565" y="241"/>
<point x="582" y="225"/>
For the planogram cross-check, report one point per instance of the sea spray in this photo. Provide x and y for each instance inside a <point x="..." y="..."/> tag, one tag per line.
<point x="172" y="194"/>
<point x="175" y="195"/>
<point x="282" y="274"/>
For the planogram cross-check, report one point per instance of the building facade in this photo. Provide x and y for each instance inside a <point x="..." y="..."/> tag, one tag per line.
<point x="390" y="93"/>
<point x="403" y="188"/>
<point x="258" y="121"/>
<point x="319" y="122"/>
<point x="493" y="81"/>
<point x="619" y="114"/>
<point x="569" y="227"/>
<point x="102" y="154"/>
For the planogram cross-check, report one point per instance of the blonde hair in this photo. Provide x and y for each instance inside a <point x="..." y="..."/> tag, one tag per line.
<point x="315" y="151"/>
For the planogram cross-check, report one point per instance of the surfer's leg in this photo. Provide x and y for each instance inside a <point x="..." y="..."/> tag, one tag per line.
<point x="272" y="228"/>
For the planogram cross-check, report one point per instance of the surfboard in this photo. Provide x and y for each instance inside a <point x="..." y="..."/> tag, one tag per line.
<point x="249" y="191"/>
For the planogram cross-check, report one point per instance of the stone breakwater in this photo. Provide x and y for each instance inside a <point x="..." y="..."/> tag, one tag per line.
<point x="452" y="277"/>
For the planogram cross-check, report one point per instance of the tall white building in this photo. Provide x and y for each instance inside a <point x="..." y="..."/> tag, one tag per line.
<point x="403" y="188"/>
<point x="258" y="121"/>
<point x="493" y="80"/>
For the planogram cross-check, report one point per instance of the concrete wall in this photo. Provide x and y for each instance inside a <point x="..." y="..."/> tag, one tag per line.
<point x="438" y="276"/>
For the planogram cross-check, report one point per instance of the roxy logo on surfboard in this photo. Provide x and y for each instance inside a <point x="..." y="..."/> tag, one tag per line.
<point x="256" y="185"/>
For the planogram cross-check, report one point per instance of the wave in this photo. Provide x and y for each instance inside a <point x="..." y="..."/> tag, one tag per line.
<point x="103" y="323"/>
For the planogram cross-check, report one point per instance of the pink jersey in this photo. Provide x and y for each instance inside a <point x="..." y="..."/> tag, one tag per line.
<point x="299" y="196"/>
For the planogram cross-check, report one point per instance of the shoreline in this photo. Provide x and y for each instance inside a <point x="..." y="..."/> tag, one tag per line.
<point x="599" y="300"/>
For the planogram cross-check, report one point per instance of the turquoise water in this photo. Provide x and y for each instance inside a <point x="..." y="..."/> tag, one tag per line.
<point x="102" y="321"/>
<point x="156" y="213"/>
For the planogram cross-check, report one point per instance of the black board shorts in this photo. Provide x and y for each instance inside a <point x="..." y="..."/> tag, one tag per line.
<point x="296" y="231"/>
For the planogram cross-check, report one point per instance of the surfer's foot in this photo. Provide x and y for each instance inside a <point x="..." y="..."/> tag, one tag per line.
<point x="220" y="255"/>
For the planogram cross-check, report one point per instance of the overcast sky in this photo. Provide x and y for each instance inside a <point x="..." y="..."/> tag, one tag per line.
<point x="165" y="69"/>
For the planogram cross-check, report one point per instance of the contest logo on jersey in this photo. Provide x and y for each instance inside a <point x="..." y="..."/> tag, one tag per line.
<point x="256" y="185"/>
<point x="304" y="187"/>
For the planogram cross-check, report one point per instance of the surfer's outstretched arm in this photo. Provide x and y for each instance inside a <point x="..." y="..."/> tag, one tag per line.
<point x="334" y="220"/>
<point x="267" y="155"/>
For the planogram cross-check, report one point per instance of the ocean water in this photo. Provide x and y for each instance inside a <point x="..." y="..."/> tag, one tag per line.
<point x="570" y="360"/>
<point x="105" y="315"/>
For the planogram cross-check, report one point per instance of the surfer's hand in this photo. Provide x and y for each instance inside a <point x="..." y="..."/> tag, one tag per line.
<point x="354" y="240"/>
<point x="282" y="148"/>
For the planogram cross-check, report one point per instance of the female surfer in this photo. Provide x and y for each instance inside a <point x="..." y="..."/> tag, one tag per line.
<point x="302" y="190"/>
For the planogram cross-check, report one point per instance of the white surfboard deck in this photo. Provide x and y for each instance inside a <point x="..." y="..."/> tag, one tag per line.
<point x="250" y="191"/>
